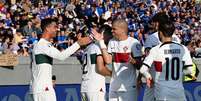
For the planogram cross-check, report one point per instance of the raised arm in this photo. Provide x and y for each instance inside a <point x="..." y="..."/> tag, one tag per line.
<point x="99" y="37"/>
<point x="55" y="53"/>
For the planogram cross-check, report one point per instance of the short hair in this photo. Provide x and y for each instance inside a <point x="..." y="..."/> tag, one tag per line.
<point x="106" y="30"/>
<point x="107" y="33"/>
<point x="160" y="17"/>
<point x="46" y="22"/>
<point x="121" y="23"/>
<point x="167" y="28"/>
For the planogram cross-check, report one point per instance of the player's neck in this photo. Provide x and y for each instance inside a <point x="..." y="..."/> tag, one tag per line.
<point x="167" y="39"/>
<point x="122" y="37"/>
<point x="46" y="36"/>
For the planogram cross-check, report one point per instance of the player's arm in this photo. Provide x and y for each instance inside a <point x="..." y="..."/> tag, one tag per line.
<point x="146" y="65"/>
<point x="101" y="67"/>
<point x="144" y="70"/>
<point x="136" y="56"/>
<point x="55" y="53"/>
<point x="137" y="62"/>
<point x="107" y="57"/>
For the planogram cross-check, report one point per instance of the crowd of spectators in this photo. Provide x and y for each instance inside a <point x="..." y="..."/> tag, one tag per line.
<point x="20" y="21"/>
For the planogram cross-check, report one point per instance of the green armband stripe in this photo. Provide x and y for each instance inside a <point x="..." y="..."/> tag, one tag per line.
<point x="41" y="58"/>
<point x="93" y="58"/>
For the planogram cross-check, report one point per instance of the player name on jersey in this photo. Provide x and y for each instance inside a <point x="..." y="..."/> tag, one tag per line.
<point x="172" y="51"/>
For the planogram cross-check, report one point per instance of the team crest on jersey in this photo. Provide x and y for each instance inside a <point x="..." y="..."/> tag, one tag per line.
<point x="125" y="48"/>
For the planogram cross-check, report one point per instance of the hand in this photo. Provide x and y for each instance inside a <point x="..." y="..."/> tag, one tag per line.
<point x="150" y="82"/>
<point x="194" y="77"/>
<point x="96" y="35"/>
<point x="83" y="40"/>
<point x="131" y="60"/>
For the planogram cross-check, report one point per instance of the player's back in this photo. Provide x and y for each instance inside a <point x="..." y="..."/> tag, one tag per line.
<point x="169" y="63"/>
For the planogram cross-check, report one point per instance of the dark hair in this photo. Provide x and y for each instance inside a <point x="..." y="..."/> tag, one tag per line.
<point x="160" y="17"/>
<point x="167" y="28"/>
<point x="46" y="22"/>
<point x="107" y="32"/>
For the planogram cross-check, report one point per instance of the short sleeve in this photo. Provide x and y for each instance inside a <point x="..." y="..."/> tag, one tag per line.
<point x="148" y="61"/>
<point x="136" y="49"/>
<point x="98" y="50"/>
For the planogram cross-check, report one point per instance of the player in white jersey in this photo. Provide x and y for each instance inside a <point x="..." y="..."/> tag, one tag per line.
<point x="93" y="84"/>
<point x="93" y="80"/>
<point x="125" y="55"/>
<point x="151" y="41"/>
<point x="43" y="54"/>
<point x="169" y="60"/>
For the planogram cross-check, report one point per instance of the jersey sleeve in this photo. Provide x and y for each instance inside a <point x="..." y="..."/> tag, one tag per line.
<point x="55" y="53"/>
<point x="148" y="61"/>
<point x="147" y="64"/>
<point x="98" y="50"/>
<point x="151" y="41"/>
<point x="137" y="49"/>
<point x="147" y="43"/>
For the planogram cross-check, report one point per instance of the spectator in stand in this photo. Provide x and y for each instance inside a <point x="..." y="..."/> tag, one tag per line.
<point x="28" y="29"/>
<point x="62" y="40"/>
<point x="185" y="14"/>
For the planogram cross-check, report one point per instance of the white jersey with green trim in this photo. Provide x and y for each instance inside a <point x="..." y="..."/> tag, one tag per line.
<point x="168" y="59"/>
<point x="91" y="80"/>
<point x="43" y="54"/>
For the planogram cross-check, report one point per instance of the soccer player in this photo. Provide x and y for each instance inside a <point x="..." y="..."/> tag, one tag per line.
<point x="151" y="41"/>
<point x="102" y="68"/>
<point x="169" y="59"/>
<point x="125" y="55"/>
<point x="93" y="83"/>
<point x="43" y="54"/>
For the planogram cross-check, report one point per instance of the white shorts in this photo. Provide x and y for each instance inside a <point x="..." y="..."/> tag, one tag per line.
<point x="148" y="94"/>
<point x="93" y="96"/>
<point x="123" y="95"/>
<point x="45" y="96"/>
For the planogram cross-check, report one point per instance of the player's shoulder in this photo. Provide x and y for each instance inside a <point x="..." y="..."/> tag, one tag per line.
<point x="153" y="35"/>
<point x="131" y="39"/>
<point x="157" y="47"/>
<point x="93" y="46"/>
<point x="43" y="42"/>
